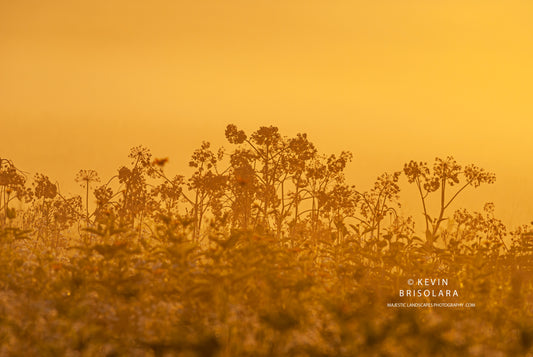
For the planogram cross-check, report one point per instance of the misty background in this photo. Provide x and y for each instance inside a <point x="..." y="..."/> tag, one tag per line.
<point x="83" y="82"/>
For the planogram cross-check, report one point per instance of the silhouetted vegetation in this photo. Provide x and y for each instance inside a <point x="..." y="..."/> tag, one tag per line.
<point x="263" y="250"/>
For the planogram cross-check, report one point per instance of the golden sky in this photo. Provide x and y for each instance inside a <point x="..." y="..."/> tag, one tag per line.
<point x="83" y="81"/>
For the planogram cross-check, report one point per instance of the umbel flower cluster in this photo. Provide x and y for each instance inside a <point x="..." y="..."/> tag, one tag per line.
<point x="264" y="249"/>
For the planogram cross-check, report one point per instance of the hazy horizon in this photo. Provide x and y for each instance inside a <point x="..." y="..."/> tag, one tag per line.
<point x="389" y="81"/>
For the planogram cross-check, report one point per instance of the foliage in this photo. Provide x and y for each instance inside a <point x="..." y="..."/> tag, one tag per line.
<point x="445" y="174"/>
<point x="264" y="250"/>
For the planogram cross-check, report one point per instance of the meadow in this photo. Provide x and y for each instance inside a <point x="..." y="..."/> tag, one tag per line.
<point x="264" y="250"/>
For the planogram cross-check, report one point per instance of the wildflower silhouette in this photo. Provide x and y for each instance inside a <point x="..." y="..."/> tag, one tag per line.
<point x="263" y="249"/>
<point x="445" y="174"/>
<point x="85" y="178"/>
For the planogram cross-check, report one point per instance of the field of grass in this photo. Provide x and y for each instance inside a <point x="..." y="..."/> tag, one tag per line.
<point x="265" y="250"/>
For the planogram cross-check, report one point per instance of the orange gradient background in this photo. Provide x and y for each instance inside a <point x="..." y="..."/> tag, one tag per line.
<point x="83" y="81"/>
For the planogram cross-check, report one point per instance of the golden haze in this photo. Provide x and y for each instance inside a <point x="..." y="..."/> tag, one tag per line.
<point x="391" y="81"/>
